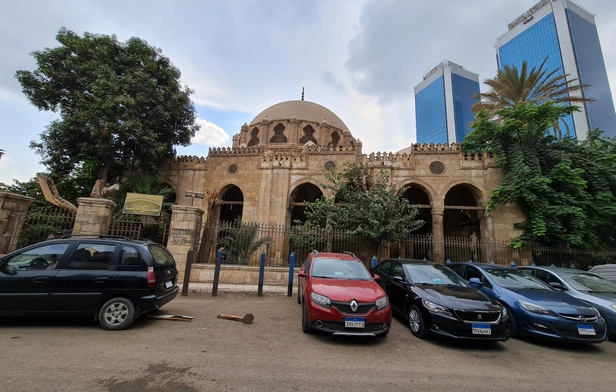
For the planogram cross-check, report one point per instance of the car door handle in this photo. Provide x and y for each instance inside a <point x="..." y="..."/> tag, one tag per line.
<point x="40" y="279"/>
<point x="101" y="279"/>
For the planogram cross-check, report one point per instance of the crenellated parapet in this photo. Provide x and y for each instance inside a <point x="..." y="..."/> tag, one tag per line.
<point x="236" y="150"/>
<point x="188" y="159"/>
<point x="386" y="157"/>
<point x="313" y="148"/>
<point x="436" y="147"/>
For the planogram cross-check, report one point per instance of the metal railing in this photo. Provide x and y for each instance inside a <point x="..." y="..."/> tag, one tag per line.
<point x="43" y="223"/>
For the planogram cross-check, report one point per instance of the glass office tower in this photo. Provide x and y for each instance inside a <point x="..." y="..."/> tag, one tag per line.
<point x="566" y="33"/>
<point x="443" y="102"/>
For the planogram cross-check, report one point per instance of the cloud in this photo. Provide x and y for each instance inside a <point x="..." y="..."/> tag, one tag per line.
<point x="210" y="135"/>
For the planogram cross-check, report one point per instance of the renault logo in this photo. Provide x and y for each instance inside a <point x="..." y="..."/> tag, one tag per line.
<point x="354" y="305"/>
<point x="479" y="317"/>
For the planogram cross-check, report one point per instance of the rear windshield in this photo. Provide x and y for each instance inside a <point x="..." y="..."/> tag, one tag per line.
<point x="160" y="255"/>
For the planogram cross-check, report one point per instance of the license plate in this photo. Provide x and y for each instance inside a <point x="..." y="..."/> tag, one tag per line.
<point x="168" y="284"/>
<point x="354" y="322"/>
<point x="482" y="329"/>
<point x="586" y="330"/>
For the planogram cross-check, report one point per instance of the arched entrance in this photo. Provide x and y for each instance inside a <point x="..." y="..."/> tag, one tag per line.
<point x="302" y="194"/>
<point x="461" y="223"/>
<point x="231" y="206"/>
<point x="419" y="245"/>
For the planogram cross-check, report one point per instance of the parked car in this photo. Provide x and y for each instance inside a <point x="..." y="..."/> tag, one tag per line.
<point x="436" y="301"/>
<point x="590" y="288"/>
<point x="536" y="309"/>
<point x="111" y="278"/>
<point x="340" y="297"/>
<point x="606" y="271"/>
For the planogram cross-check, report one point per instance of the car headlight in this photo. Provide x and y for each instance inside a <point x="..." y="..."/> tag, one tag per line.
<point x="381" y="302"/>
<point x="320" y="299"/>
<point x="613" y="306"/>
<point x="504" y="312"/>
<point x="536" y="308"/>
<point x="434" y="308"/>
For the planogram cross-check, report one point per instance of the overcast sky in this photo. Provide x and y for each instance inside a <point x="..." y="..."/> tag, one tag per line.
<point x="359" y="58"/>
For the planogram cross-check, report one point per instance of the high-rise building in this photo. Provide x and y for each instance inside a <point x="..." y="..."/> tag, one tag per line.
<point x="443" y="102"/>
<point x="566" y="33"/>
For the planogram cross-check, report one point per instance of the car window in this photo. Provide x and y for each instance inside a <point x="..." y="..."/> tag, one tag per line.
<point x="130" y="260"/>
<point x="516" y="279"/>
<point x="457" y="269"/>
<point x="433" y="275"/>
<point x="589" y="282"/>
<point x="92" y="256"/>
<point x="160" y="255"/>
<point x="41" y="257"/>
<point x="398" y="270"/>
<point x="545" y="276"/>
<point x="339" y="269"/>
<point x="472" y="272"/>
<point x="385" y="268"/>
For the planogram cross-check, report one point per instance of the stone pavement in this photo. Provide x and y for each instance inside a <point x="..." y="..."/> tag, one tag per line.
<point x="235" y="288"/>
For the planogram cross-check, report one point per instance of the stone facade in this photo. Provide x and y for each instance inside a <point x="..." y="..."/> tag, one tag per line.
<point x="278" y="161"/>
<point x="13" y="208"/>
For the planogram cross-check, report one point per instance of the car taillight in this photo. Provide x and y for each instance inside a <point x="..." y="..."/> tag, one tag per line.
<point x="151" y="277"/>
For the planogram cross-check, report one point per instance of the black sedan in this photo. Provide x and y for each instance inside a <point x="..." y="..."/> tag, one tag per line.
<point x="437" y="301"/>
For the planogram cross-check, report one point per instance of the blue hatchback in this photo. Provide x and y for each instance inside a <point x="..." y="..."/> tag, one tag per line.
<point x="536" y="309"/>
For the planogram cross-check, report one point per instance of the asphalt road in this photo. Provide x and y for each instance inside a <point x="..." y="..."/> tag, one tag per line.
<point x="272" y="354"/>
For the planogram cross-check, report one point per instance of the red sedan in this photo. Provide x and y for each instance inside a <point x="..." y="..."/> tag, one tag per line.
<point x="339" y="296"/>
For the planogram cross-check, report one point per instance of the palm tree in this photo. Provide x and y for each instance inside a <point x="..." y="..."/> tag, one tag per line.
<point x="511" y="87"/>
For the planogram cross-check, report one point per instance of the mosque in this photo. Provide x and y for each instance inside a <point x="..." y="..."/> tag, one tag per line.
<point x="278" y="160"/>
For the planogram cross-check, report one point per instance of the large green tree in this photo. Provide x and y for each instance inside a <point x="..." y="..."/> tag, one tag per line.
<point x="364" y="204"/>
<point x="565" y="187"/>
<point x="121" y="105"/>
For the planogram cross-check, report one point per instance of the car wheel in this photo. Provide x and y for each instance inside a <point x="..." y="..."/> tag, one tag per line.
<point x="514" y="331"/>
<point x="116" y="314"/>
<point x="306" y="328"/>
<point x="416" y="322"/>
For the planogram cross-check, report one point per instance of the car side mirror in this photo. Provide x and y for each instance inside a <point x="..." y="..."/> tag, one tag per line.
<point x="376" y="277"/>
<point x="558" y="286"/>
<point x="399" y="279"/>
<point x="301" y="274"/>
<point x="475" y="281"/>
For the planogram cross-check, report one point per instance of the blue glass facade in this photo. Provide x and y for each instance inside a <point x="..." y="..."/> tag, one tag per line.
<point x="533" y="45"/>
<point x="430" y="113"/>
<point x="589" y="59"/>
<point x="463" y="91"/>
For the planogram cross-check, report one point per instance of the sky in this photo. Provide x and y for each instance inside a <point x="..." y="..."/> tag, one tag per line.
<point x="359" y="58"/>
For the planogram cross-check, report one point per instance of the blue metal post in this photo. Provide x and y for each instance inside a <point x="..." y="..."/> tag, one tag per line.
<point x="216" y="274"/>
<point x="513" y="264"/>
<point x="291" y="274"/>
<point x="375" y="261"/>
<point x="261" y="274"/>
<point x="448" y="262"/>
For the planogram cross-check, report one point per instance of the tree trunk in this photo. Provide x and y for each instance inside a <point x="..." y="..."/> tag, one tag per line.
<point x="97" y="189"/>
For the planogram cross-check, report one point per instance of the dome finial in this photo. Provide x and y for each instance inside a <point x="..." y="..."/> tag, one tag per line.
<point x="302" y="93"/>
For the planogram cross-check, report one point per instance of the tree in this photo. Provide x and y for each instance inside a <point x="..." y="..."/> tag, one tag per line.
<point x="121" y="106"/>
<point x="241" y="240"/>
<point x="70" y="188"/>
<point x="364" y="205"/>
<point x="566" y="188"/>
<point x="511" y="87"/>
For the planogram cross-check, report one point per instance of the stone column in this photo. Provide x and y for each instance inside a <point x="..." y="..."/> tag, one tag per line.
<point x="265" y="132"/>
<point x="13" y="209"/>
<point x="438" y="235"/>
<point x="93" y="216"/>
<point x="294" y="133"/>
<point x="183" y="234"/>
<point x="486" y="230"/>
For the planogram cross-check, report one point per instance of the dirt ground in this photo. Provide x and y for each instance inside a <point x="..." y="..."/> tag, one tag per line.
<point x="272" y="354"/>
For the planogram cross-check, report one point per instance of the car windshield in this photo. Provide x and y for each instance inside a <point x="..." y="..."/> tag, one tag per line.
<point x="588" y="282"/>
<point x="516" y="279"/>
<point x="339" y="269"/>
<point x="433" y="274"/>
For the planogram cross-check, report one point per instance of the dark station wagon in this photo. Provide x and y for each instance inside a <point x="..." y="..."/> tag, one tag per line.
<point x="113" y="279"/>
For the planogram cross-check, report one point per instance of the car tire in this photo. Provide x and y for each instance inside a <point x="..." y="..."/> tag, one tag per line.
<point x="416" y="322"/>
<point x="306" y="328"/>
<point x="514" y="331"/>
<point x="116" y="314"/>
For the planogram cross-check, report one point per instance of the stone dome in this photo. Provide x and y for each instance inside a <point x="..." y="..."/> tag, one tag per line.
<point x="300" y="110"/>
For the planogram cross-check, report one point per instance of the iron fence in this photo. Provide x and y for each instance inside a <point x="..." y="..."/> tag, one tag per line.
<point x="138" y="226"/>
<point x="43" y="223"/>
<point x="282" y="241"/>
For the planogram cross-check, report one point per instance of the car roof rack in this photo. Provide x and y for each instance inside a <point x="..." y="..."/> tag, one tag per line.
<point x="349" y="253"/>
<point x="105" y="236"/>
